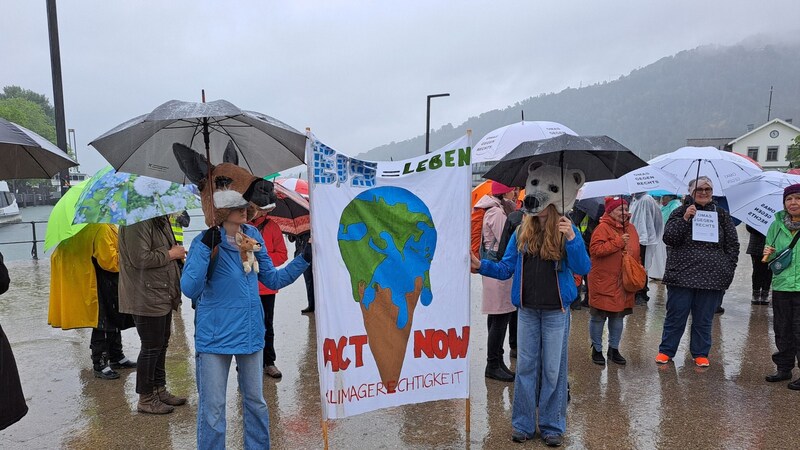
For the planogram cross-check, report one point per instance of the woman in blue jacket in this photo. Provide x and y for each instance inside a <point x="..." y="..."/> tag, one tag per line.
<point x="229" y="321"/>
<point x="542" y="289"/>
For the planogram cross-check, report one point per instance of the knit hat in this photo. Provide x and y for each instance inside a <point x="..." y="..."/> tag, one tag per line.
<point x="500" y="188"/>
<point x="793" y="189"/>
<point x="613" y="203"/>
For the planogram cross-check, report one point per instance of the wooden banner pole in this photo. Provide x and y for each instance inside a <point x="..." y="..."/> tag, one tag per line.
<point x="325" y="433"/>
<point x="467" y="415"/>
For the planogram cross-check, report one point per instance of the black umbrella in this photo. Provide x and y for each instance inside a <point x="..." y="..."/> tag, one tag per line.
<point x="142" y="145"/>
<point x="25" y="154"/>
<point x="599" y="157"/>
<point x="593" y="207"/>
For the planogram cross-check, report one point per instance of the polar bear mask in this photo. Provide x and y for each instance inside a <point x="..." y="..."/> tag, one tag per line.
<point x="543" y="187"/>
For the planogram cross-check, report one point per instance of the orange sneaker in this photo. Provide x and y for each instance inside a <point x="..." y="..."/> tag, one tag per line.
<point x="662" y="358"/>
<point x="701" y="361"/>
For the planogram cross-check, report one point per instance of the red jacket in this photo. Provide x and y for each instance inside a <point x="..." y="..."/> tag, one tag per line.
<point x="276" y="248"/>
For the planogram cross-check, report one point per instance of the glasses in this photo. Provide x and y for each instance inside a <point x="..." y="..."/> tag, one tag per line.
<point x="704" y="190"/>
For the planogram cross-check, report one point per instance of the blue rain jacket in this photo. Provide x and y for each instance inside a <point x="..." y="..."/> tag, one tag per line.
<point x="576" y="261"/>
<point x="229" y="318"/>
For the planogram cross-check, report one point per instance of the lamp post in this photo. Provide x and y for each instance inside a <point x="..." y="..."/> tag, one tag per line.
<point x="428" y="121"/>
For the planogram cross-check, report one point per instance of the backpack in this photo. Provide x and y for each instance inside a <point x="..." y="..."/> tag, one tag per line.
<point x="476" y="231"/>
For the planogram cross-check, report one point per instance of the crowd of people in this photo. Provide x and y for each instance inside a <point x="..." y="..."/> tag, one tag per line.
<point x="547" y="251"/>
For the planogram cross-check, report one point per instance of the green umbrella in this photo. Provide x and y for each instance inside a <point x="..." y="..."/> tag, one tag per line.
<point x="59" y="224"/>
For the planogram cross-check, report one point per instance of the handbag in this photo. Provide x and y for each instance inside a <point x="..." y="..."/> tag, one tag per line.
<point x="634" y="277"/>
<point x="783" y="259"/>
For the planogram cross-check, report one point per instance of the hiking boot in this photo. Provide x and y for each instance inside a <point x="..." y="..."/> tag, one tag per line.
<point x="701" y="361"/>
<point x="615" y="357"/>
<point x="765" y="297"/>
<point x="597" y="357"/>
<point x="552" y="440"/>
<point x="497" y="373"/>
<point x="778" y="376"/>
<point x="272" y="371"/>
<point x="151" y="404"/>
<point x="167" y="398"/>
<point x="662" y="358"/>
<point x="105" y="373"/>
<point x="794" y="385"/>
<point x="123" y="363"/>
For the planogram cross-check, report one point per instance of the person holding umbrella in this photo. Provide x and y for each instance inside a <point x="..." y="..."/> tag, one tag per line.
<point x="535" y="252"/>
<point x="608" y="299"/>
<point x="699" y="270"/>
<point x="782" y="234"/>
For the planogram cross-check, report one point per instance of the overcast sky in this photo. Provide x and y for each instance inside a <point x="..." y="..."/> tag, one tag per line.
<point x="356" y="72"/>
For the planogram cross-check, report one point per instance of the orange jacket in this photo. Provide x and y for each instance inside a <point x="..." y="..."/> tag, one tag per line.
<point x="605" y="277"/>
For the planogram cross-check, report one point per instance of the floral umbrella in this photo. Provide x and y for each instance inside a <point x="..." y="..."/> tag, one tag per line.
<point x="125" y="198"/>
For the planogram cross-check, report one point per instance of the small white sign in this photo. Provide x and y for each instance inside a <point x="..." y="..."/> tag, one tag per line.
<point x="705" y="226"/>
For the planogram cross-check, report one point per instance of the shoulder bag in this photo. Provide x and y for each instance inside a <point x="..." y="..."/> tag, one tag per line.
<point x="783" y="259"/>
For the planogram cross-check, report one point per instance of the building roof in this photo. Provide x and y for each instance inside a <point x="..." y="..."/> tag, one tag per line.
<point x="771" y="122"/>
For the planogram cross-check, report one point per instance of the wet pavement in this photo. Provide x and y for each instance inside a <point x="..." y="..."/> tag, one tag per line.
<point x="641" y="405"/>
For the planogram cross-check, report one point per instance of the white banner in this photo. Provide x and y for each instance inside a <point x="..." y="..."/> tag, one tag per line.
<point x="391" y="277"/>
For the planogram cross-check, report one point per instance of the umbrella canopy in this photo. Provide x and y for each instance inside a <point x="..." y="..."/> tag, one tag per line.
<point x="125" y="198"/>
<point x="296" y="184"/>
<point x="291" y="211"/>
<point x="756" y="200"/>
<point x="59" y="224"/>
<point x="644" y="179"/>
<point x="498" y="143"/>
<point x="485" y="188"/>
<point x="26" y="154"/>
<point x="599" y="157"/>
<point x="593" y="207"/>
<point x="142" y="145"/>
<point x="725" y="169"/>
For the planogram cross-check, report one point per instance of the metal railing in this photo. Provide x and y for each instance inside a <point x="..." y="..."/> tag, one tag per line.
<point x="34" y="238"/>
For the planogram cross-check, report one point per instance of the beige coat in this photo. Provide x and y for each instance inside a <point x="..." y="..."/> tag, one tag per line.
<point x="496" y="293"/>
<point x="149" y="281"/>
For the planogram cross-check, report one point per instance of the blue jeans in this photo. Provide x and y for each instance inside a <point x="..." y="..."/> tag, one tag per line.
<point x="542" y="337"/>
<point x="682" y="301"/>
<point x="614" y="331"/>
<point x="212" y="382"/>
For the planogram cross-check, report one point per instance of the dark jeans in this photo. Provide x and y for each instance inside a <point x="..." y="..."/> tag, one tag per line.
<point x="512" y="330"/>
<point x="643" y="291"/>
<point x="108" y="343"/>
<point x="682" y="301"/>
<point x="497" y="335"/>
<point x="268" y="302"/>
<point x="154" y="333"/>
<point x="762" y="276"/>
<point x="308" y="277"/>
<point x="786" y="324"/>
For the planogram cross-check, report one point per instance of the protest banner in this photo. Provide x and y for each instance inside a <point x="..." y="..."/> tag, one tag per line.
<point x="391" y="276"/>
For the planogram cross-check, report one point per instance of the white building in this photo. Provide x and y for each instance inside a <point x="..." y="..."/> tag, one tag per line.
<point x="767" y="144"/>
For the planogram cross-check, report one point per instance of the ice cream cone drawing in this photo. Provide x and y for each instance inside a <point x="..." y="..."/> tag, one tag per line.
<point x="387" y="240"/>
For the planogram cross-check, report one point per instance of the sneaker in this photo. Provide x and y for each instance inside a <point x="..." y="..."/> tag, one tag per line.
<point x="123" y="363"/>
<point x="552" y="440"/>
<point x="662" y="358"/>
<point x="106" y="374"/>
<point x="701" y="361"/>
<point x="519" y="437"/>
<point x="272" y="371"/>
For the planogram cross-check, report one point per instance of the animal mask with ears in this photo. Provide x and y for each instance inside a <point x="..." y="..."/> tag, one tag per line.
<point x="231" y="186"/>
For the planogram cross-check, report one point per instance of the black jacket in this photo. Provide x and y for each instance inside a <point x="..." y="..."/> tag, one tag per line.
<point x="698" y="264"/>
<point x="757" y="241"/>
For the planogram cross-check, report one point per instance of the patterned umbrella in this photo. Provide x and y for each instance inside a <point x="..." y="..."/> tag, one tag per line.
<point x="125" y="198"/>
<point x="296" y="184"/>
<point x="291" y="211"/>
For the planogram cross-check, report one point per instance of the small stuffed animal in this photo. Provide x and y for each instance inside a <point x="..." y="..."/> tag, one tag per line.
<point x="247" y="248"/>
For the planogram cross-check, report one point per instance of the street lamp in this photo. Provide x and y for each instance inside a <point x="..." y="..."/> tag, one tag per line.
<point x="428" y="121"/>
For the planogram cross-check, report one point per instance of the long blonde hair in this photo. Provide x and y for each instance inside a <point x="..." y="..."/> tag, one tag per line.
<point x="543" y="241"/>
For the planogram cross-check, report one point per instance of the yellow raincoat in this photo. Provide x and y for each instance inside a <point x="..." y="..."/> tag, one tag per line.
<point x="73" y="281"/>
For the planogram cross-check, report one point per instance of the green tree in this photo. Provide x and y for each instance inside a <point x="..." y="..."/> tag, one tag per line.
<point x="28" y="114"/>
<point x="40" y="99"/>
<point x="793" y="155"/>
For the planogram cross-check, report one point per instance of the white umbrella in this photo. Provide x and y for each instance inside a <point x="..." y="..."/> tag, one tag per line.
<point x="498" y="143"/>
<point x="725" y="169"/>
<point x="756" y="200"/>
<point x="647" y="178"/>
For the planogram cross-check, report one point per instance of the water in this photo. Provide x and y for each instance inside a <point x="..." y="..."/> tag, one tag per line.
<point x="24" y="232"/>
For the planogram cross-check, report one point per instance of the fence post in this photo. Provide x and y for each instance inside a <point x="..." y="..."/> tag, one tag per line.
<point x="34" y="250"/>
